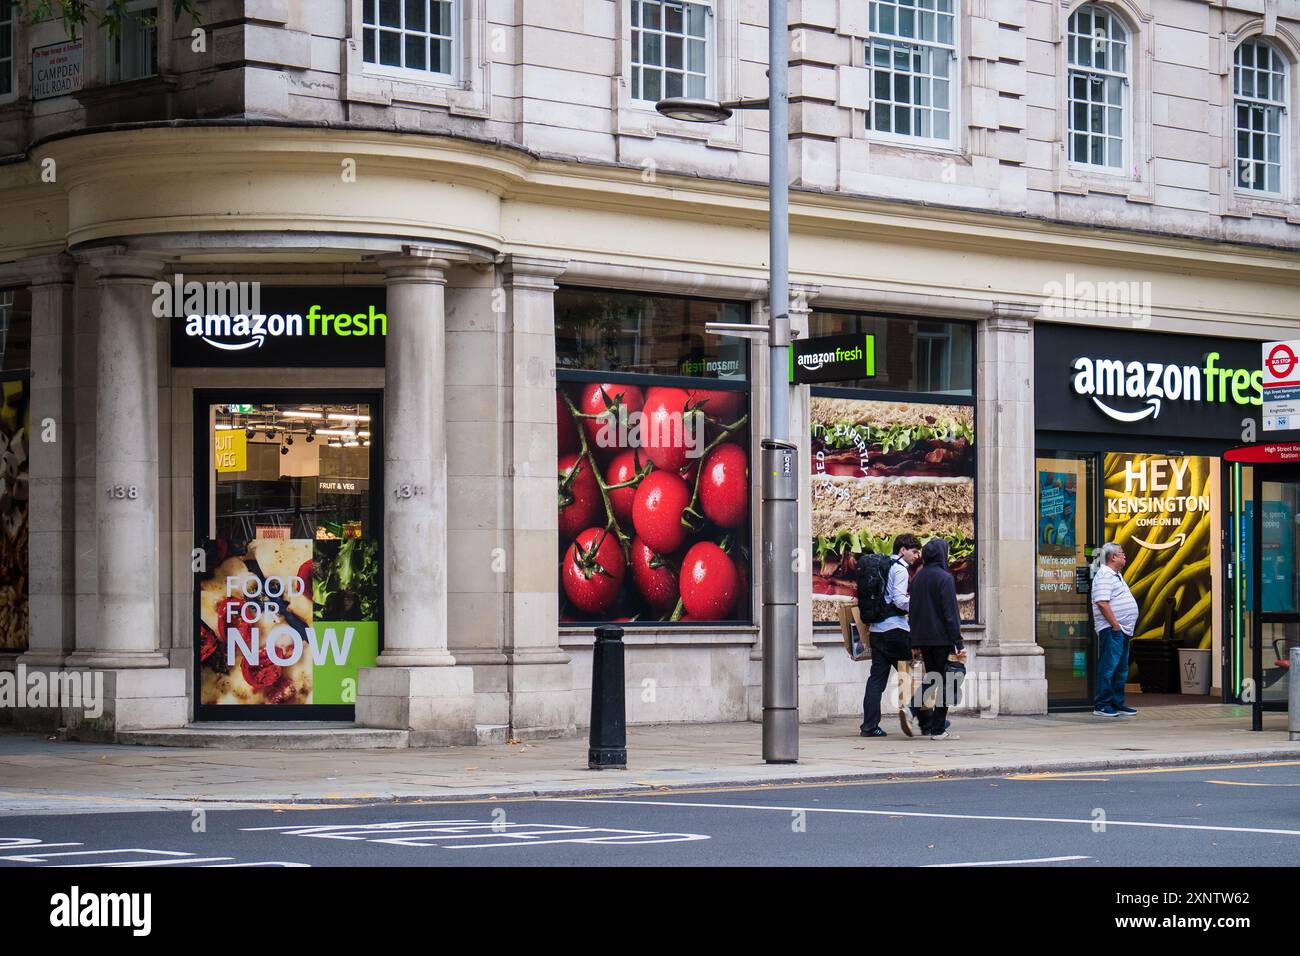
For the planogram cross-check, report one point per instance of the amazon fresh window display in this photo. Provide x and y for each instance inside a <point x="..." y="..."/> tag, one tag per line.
<point x="289" y="596"/>
<point x="893" y="454"/>
<point x="15" y="442"/>
<point x="653" y="484"/>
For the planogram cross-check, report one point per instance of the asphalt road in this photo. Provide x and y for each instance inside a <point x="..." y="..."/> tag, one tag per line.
<point x="1223" y="815"/>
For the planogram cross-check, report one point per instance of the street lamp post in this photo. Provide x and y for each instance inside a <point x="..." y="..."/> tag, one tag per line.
<point x="780" y="502"/>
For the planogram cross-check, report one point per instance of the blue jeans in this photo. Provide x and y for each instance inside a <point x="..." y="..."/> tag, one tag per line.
<point x="1112" y="667"/>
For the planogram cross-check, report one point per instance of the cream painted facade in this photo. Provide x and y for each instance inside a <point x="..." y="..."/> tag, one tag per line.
<point x="278" y="155"/>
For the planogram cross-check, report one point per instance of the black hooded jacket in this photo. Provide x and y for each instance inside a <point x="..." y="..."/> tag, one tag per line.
<point x="933" y="614"/>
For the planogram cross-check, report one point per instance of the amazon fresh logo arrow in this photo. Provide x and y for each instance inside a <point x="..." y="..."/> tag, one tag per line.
<point x="1174" y="542"/>
<point x="1152" y="411"/>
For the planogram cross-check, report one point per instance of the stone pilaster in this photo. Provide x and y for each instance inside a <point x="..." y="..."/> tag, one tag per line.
<point x="50" y="443"/>
<point x="1004" y="437"/>
<point x="49" y="440"/>
<point x="417" y="685"/>
<point x="141" y="689"/>
<point x="539" y="672"/>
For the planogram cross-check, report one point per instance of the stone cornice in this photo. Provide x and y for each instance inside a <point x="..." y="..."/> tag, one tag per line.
<point x="186" y="154"/>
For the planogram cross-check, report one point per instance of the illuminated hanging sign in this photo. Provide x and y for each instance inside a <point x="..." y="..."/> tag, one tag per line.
<point x="1140" y="383"/>
<point x="833" y="358"/>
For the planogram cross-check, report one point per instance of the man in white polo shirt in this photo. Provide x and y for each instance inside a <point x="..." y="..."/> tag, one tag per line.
<point x="1114" y="614"/>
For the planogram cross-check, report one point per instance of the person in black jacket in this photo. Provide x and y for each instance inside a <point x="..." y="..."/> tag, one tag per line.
<point x="936" y="631"/>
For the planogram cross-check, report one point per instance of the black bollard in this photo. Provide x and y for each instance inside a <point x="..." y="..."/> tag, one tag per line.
<point x="608" y="749"/>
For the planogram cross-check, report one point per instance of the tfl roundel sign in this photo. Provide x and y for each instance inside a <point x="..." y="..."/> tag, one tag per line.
<point x="1280" y="362"/>
<point x="1281" y="387"/>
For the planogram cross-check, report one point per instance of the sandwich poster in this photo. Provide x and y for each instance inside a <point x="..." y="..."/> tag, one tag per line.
<point x="288" y="621"/>
<point x="1162" y="510"/>
<point x="880" y="469"/>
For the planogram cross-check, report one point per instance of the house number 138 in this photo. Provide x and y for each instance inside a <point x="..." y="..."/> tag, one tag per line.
<point x="123" y="491"/>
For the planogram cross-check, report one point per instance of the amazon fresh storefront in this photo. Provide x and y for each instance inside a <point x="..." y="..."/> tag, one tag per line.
<point x="288" y="519"/>
<point x="1130" y="430"/>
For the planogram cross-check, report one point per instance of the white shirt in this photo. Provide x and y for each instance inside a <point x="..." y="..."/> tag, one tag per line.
<point x="1108" y="585"/>
<point x="896" y="594"/>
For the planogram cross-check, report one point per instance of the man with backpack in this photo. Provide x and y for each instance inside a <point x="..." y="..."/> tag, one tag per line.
<point x="883" y="603"/>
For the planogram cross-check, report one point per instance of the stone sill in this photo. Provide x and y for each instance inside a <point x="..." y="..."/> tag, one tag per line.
<point x="746" y="635"/>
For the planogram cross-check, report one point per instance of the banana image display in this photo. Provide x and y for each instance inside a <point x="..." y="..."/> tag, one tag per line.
<point x="1159" y="508"/>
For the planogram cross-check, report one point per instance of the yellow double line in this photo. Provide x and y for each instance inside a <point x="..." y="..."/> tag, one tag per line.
<point x="1138" y="771"/>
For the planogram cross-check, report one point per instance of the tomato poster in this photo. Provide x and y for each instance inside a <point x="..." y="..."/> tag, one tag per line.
<point x="880" y="469"/>
<point x="653" y="498"/>
<point x="288" y="621"/>
<point x="1162" y="510"/>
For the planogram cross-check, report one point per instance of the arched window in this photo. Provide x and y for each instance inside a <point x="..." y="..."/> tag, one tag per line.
<point x="1259" y="95"/>
<point x="1098" y="87"/>
<point x="912" y="54"/>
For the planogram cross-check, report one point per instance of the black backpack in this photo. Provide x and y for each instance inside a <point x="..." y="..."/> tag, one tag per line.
<point x="873" y="584"/>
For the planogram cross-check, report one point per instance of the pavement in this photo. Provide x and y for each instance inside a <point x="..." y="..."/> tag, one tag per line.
<point x="43" y="776"/>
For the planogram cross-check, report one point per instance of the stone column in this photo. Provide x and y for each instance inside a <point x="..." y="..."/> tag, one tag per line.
<point x="814" y="696"/>
<point x="141" y="690"/>
<point x="1004" y="440"/>
<point x="416" y="685"/>
<point x="539" y="672"/>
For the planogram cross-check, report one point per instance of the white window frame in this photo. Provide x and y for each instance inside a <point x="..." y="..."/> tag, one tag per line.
<point x="1257" y="102"/>
<point x="710" y="49"/>
<point x="639" y="120"/>
<point x="112" y="71"/>
<point x="955" y="90"/>
<point x="408" y="74"/>
<point x="9" y="17"/>
<point x="1125" y="78"/>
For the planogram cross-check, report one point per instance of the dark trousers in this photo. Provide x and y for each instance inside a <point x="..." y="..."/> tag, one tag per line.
<point x="1112" y="667"/>
<point x="887" y="649"/>
<point x="936" y="661"/>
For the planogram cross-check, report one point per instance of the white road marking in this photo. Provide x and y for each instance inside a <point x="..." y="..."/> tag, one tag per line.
<point x="1041" y="859"/>
<point x="479" y="835"/>
<point x="1088" y="821"/>
<point x="185" y="861"/>
<point x="46" y="857"/>
<point x="35" y="844"/>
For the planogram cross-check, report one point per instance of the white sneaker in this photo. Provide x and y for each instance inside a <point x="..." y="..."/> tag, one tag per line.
<point x="946" y="735"/>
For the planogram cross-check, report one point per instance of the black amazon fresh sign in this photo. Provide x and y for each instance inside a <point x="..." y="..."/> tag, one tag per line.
<point x="833" y="358"/>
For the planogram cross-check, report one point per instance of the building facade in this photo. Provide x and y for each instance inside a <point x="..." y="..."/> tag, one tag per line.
<point x="465" y="227"/>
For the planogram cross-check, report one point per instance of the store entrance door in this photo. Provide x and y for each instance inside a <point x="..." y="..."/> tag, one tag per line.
<point x="288" y="582"/>
<point x="1276" y="587"/>
<point x="1067" y="522"/>
<point x="1264" y="610"/>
